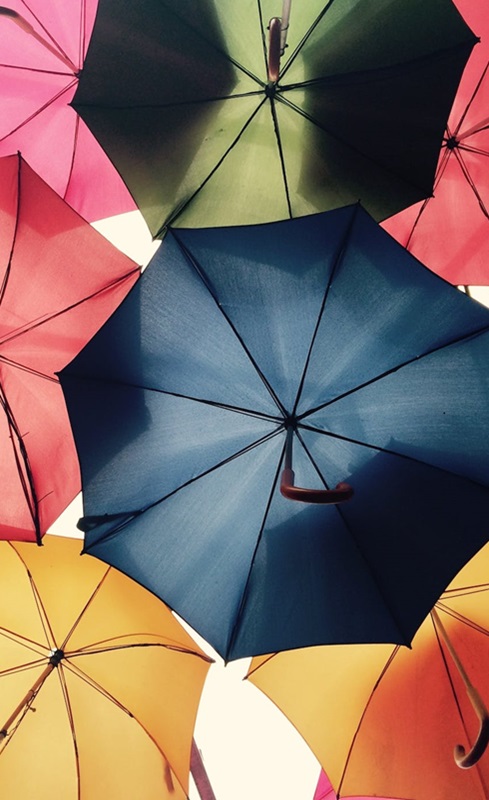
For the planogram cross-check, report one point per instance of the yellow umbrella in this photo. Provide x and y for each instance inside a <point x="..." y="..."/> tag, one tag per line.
<point x="383" y="720"/>
<point x="99" y="683"/>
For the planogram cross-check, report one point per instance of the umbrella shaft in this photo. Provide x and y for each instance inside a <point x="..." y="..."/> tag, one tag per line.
<point x="26" y="700"/>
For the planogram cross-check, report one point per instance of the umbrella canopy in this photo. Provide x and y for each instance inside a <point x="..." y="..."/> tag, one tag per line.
<point x="42" y="47"/>
<point x="449" y="232"/>
<point x="206" y="130"/>
<point x="60" y="280"/>
<point x="384" y="720"/>
<point x="114" y="680"/>
<point x="238" y="345"/>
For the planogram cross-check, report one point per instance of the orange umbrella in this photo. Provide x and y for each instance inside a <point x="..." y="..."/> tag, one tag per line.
<point x="383" y="720"/>
<point x="114" y="679"/>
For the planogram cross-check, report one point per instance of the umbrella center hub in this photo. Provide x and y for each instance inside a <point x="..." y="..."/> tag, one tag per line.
<point x="290" y="421"/>
<point x="271" y="89"/>
<point x="452" y="142"/>
<point x="55" y="657"/>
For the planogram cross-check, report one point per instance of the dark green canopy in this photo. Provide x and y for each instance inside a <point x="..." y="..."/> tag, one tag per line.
<point x="177" y="93"/>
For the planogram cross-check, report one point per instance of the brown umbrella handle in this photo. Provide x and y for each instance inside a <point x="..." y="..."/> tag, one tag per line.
<point x="462" y="759"/>
<point x="466" y="760"/>
<point x="27" y="28"/>
<point x="274" y="36"/>
<point x="342" y="492"/>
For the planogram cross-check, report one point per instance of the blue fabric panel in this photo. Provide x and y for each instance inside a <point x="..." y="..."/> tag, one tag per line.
<point x="153" y="443"/>
<point x="383" y="309"/>
<point x="272" y="284"/>
<point x="170" y="334"/>
<point x="195" y="549"/>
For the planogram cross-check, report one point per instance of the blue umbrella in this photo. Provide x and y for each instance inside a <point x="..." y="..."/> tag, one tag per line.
<point x="319" y="335"/>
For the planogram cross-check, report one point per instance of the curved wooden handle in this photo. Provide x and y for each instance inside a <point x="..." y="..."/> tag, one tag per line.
<point x="466" y="760"/>
<point x="274" y="40"/>
<point x="342" y="492"/>
<point x="462" y="759"/>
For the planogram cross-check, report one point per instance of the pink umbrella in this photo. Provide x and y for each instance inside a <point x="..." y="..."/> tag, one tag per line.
<point x="59" y="281"/>
<point x="450" y="231"/>
<point x="42" y="48"/>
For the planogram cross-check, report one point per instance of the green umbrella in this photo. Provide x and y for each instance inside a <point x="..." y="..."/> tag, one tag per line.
<point x="209" y="124"/>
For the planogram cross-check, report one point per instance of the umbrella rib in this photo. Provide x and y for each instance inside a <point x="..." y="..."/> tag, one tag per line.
<point x="69" y="667"/>
<point x="248" y="412"/>
<point x="38" y="111"/>
<point x="352" y="536"/>
<point x="469" y="103"/>
<point x="6" y="276"/>
<point x="338" y="258"/>
<point x="84" y="609"/>
<point x="463" y="591"/>
<point x="244" y="594"/>
<point x="471" y="182"/>
<point x="29" y="370"/>
<point x="24" y="470"/>
<point x="182" y="208"/>
<point x="449" y="677"/>
<point x="40" y="71"/>
<point x="71" y="720"/>
<point x="23" y="667"/>
<point x="381" y="449"/>
<point x="49" y="317"/>
<point x="349" y="754"/>
<point x="470" y="335"/>
<point x="208" y="285"/>
<point x="276" y="129"/>
<point x="334" y="79"/>
<point x="211" y="43"/>
<point x="103" y="647"/>
<point x="443" y="161"/>
<point x="451" y="612"/>
<point x="54" y="47"/>
<point x="131" y="515"/>
<point x="347" y="144"/>
<point x="304" y="39"/>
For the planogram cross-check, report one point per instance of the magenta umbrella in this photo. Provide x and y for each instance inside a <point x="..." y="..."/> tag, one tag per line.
<point x="42" y="48"/>
<point x="449" y="232"/>
<point x="324" y="791"/>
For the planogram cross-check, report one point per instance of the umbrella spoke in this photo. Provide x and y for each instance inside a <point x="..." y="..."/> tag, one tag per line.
<point x="86" y="523"/>
<point x="22" y="462"/>
<point x="36" y="323"/>
<point x="93" y="684"/>
<point x="56" y="50"/>
<point x="415" y="359"/>
<point x="201" y="272"/>
<point x="71" y="720"/>
<point x="471" y="182"/>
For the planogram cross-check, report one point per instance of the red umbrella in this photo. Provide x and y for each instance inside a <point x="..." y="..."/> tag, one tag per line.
<point x="42" y="48"/>
<point x="450" y="231"/>
<point x="60" y="280"/>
